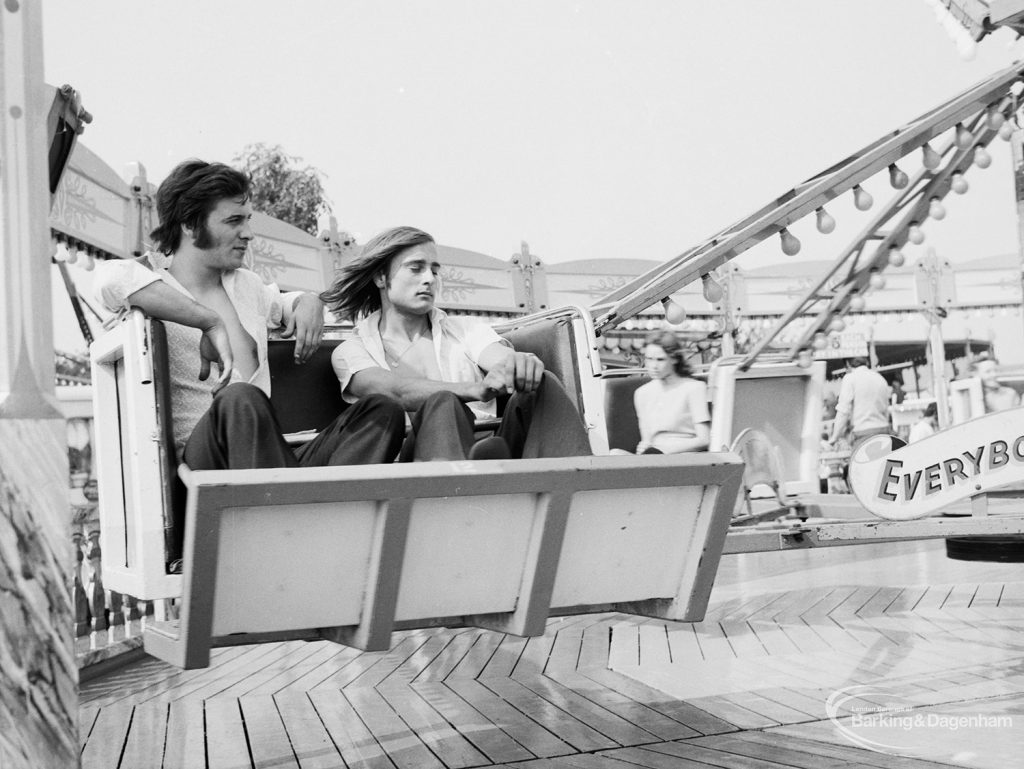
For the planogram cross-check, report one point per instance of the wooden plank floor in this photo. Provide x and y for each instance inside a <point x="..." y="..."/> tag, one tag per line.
<point x="808" y="658"/>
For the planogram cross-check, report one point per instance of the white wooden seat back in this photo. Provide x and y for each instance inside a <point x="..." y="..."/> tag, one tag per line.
<point x="351" y="553"/>
<point x="779" y="399"/>
<point x="133" y="460"/>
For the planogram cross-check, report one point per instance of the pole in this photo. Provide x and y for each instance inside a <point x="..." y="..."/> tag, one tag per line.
<point x="1017" y="149"/>
<point x="936" y="291"/>
<point x="938" y="358"/>
<point x="38" y="675"/>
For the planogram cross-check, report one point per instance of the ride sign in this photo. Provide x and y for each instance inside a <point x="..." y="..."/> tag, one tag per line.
<point x="902" y="482"/>
<point x="844" y="345"/>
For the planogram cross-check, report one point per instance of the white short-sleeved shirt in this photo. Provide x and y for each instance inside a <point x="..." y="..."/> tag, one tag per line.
<point x="864" y="398"/>
<point x="259" y="306"/>
<point x="458" y="343"/>
<point x="920" y="430"/>
<point x="668" y="412"/>
<point x="1000" y="398"/>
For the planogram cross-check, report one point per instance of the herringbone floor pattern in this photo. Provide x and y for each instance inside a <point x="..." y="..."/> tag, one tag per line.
<point x="753" y="685"/>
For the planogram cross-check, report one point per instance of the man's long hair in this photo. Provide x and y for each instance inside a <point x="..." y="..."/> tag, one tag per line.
<point x="188" y="195"/>
<point x="354" y="294"/>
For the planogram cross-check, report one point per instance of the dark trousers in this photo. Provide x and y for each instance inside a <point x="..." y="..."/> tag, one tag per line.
<point x="859" y="435"/>
<point x="240" y="431"/>
<point x="544" y="423"/>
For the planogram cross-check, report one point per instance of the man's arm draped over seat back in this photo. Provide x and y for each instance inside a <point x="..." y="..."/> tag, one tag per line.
<point x="123" y="285"/>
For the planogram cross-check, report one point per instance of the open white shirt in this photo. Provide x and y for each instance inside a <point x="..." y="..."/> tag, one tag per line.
<point x="458" y="343"/>
<point x="259" y="306"/>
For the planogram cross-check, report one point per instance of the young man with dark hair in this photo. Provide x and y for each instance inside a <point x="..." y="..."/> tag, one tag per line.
<point x="445" y="371"/>
<point x="217" y="312"/>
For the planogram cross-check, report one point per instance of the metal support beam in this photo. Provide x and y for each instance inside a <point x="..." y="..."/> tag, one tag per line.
<point x="803" y="536"/>
<point x="653" y="286"/>
<point x="851" y="273"/>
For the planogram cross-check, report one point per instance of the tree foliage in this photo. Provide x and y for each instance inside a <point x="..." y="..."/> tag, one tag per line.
<point x="284" y="188"/>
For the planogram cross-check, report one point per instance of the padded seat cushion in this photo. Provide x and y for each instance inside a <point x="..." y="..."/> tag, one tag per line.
<point x="554" y="343"/>
<point x="619" y="413"/>
<point x="305" y="396"/>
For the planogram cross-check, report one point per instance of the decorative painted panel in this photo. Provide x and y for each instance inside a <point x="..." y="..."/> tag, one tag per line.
<point x="94" y="212"/>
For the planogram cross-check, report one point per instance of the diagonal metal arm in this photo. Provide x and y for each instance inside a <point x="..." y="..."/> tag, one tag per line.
<point x="911" y="207"/>
<point x="661" y="282"/>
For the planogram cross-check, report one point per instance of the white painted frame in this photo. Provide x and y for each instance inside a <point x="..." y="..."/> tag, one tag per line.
<point x="722" y="379"/>
<point x="966" y="400"/>
<point x="495" y="544"/>
<point x="127" y="464"/>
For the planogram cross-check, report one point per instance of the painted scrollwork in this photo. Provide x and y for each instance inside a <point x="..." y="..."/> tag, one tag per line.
<point x="263" y="259"/>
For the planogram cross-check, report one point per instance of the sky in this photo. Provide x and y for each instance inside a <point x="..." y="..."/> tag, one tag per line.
<point x="602" y="129"/>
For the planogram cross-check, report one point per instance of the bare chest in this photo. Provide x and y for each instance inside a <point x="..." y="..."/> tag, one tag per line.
<point x="243" y="346"/>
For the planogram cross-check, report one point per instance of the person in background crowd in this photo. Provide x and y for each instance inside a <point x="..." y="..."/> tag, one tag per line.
<point x="671" y="409"/>
<point x="863" y="403"/>
<point x="926" y="425"/>
<point x="828" y="414"/>
<point x="898" y="394"/>
<point x="998" y="397"/>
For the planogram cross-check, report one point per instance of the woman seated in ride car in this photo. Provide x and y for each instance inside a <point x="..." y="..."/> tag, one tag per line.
<point x="672" y="409"/>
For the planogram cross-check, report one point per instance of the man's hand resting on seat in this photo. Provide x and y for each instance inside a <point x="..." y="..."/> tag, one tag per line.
<point x="307" y="324"/>
<point x="522" y="372"/>
<point x="519" y="371"/>
<point x="492" y="386"/>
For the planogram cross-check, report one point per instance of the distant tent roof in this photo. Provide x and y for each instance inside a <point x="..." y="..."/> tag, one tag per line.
<point x="994" y="262"/>
<point x="629" y="267"/>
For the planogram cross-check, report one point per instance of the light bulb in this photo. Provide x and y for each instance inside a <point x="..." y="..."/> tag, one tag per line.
<point x="857" y="302"/>
<point x="861" y="199"/>
<point x="936" y="210"/>
<point x="826" y="222"/>
<point x="996" y="119"/>
<point x="804" y="358"/>
<point x="897" y="178"/>
<point x="958" y="183"/>
<point x="61" y="254"/>
<point x="674" y="313"/>
<point x="837" y="324"/>
<point x="713" y="290"/>
<point x="790" y="243"/>
<point x="931" y="159"/>
<point x="896" y="258"/>
<point x="981" y="157"/>
<point x="72" y="255"/>
<point x="876" y="281"/>
<point x="88" y="263"/>
<point x="820" y="340"/>
<point x="915" y="234"/>
<point x="1006" y="131"/>
<point x="964" y="138"/>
